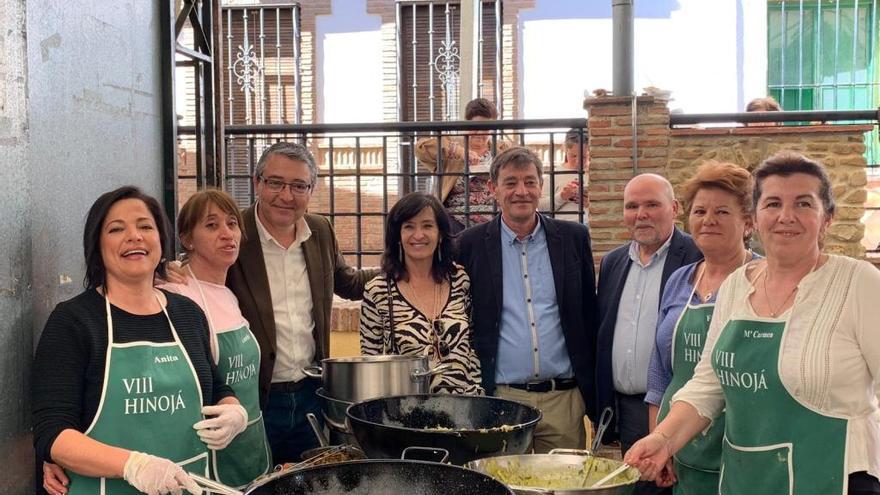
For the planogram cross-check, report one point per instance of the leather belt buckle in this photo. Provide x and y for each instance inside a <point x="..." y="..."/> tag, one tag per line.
<point x="546" y="386"/>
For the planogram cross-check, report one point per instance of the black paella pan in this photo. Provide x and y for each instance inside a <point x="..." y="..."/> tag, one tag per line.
<point x="469" y="427"/>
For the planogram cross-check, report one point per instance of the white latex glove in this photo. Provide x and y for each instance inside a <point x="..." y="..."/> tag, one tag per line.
<point x="157" y="476"/>
<point x="229" y="420"/>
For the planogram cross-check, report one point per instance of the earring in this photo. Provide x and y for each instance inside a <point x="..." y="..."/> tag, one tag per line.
<point x="400" y="251"/>
<point x="439" y="255"/>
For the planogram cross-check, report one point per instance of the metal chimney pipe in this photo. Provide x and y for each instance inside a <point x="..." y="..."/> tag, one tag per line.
<point x="622" y="42"/>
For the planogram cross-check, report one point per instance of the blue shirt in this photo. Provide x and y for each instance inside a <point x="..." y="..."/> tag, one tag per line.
<point x="637" y="320"/>
<point x="677" y="294"/>
<point x="675" y="297"/>
<point x="531" y="345"/>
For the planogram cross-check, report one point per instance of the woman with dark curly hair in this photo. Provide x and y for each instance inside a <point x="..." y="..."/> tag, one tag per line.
<point x="420" y="304"/>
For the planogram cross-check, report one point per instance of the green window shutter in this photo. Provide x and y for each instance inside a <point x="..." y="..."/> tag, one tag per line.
<point x="822" y="55"/>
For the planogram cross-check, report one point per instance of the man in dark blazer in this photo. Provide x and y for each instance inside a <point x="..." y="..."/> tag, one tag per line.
<point x="533" y="303"/>
<point x="631" y="282"/>
<point x="287" y="271"/>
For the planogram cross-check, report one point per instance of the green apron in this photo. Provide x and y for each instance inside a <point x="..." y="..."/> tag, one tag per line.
<point x="149" y="403"/>
<point x="697" y="463"/>
<point x="238" y="361"/>
<point x="773" y="444"/>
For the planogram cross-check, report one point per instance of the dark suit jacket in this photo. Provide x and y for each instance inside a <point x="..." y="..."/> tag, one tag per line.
<point x="612" y="276"/>
<point x="328" y="274"/>
<point x="571" y="258"/>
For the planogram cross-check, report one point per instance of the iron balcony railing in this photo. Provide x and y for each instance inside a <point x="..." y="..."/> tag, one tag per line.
<point x="365" y="168"/>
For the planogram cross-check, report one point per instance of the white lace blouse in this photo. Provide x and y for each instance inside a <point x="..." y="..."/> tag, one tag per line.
<point x="830" y="354"/>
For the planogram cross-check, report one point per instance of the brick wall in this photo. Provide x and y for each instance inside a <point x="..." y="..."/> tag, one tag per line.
<point x="510" y="60"/>
<point x="309" y="10"/>
<point x="675" y="153"/>
<point x="611" y="165"/>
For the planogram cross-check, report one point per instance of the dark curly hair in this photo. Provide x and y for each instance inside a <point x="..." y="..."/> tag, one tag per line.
<point x="96" y="272"/>
<point x="406" y="208"/>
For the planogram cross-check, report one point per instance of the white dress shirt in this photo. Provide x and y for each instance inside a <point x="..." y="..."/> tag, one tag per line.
<point x="291" y="302"/>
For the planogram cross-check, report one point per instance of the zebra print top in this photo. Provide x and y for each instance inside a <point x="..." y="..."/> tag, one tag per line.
<point x="414" y="335"/>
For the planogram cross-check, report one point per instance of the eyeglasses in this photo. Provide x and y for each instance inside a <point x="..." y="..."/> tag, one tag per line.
<point x="441" y="348"/>
<point x="297" y="188"/>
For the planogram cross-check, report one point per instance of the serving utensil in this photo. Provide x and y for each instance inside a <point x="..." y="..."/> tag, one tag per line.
<point x="222" y="489"/>
<point x="623" y="467"/>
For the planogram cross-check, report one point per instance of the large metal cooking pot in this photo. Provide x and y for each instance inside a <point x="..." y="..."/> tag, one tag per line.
<point x="373" y="477"/>
<point x="559" y="463"/>
<point x="469" y="427"/>
<point x="360" y="378"/>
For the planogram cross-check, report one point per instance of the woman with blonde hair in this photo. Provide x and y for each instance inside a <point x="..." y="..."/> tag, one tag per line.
<point x="718" y="203"/>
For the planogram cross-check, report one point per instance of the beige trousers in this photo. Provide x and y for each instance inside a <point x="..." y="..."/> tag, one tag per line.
<point x="562" y="426"/>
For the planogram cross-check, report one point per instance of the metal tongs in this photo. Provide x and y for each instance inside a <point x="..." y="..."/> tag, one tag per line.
<point x="214" y="486"/>
<point x="604" y="421"/>
<point x="221" y="489"/>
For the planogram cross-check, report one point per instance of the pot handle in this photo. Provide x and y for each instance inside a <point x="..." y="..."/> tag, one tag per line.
<point x="337" y="425"/>
<point x="416" y="374"/>
<point x="432" y="451"/>
<point x="571" y="452"/>
<point x="532" y="489"/>
<point x="314" y="371"/>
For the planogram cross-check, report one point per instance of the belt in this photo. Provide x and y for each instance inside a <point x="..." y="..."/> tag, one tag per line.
<point x="546" y="386"/>
<point x="287" y="387"/>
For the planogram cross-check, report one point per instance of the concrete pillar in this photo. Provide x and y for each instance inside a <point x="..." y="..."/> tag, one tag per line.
<point x="16" y="280"/>
<point x="469" y="37"/>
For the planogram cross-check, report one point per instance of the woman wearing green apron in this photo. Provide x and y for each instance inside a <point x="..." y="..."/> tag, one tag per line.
<point x="718" y="199"/>
<point x="122" y="374"/>
<point x="209" y="225"/>
<point x="793" y="356"/>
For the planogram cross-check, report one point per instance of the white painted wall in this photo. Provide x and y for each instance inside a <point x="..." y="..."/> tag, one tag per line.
<point x="349" y="64"/>
<point x="710" y="53"/>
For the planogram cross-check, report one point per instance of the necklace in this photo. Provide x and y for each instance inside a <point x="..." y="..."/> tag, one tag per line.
<point x="418" y="300"/>
<point x="441" y="348"/>
<point x="707" y="295"/>
<point x="774" y="312"/>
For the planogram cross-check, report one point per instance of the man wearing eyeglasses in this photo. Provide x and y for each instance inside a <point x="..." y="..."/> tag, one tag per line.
<point x="287" y="271"/>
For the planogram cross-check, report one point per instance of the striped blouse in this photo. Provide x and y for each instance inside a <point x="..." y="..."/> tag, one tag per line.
<point x="414" y="335"/>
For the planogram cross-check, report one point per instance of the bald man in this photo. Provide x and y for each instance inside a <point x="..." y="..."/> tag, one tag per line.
<point x="631" y="281"/>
